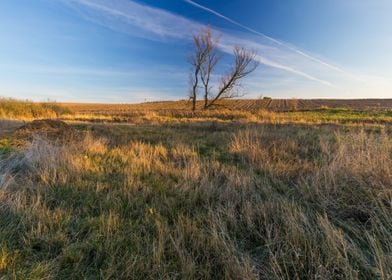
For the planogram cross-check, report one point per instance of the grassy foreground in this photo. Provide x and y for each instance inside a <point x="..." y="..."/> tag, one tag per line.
<point x="197" y="200"/>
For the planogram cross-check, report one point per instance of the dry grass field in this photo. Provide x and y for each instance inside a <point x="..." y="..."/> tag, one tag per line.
<point x="152" y="191"/>
<point x="245" y="111"/>
<point x="246" y="104"/>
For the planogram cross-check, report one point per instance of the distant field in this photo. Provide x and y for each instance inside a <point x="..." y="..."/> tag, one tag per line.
<point x="277" y="111"/>
<point x="276" y="105"/>
<point x="372" y="111"/>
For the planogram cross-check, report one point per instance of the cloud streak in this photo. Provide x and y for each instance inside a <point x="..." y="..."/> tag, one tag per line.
<point x="93" y="72"/>
<point x="120" y="15"/>
<point x="266" y="61"/>
<point x="280" y="43"/>
<point x="66" y="71"/>
<point x="150" y="22"/>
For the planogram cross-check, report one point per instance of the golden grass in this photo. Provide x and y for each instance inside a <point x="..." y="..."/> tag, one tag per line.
<point x="12" y="109"/>
<point x="228" y="111"/>
<point x="150" y="191"/>
<point x="199" y="200"/>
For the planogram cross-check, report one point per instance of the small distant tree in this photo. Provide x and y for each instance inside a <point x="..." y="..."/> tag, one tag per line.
<point x="204" y="60"/>
<point x="294" y="104"/>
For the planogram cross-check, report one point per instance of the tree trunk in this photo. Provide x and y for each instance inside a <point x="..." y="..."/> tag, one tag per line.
<point x="206" y="99"/>
<point x="194" y="90"/>
<point x="193" y="104"/>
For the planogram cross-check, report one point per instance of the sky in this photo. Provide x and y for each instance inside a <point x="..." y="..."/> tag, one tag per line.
<point x="122" y="51"/>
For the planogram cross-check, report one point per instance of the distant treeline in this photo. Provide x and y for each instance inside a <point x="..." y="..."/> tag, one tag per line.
<point x="17" y="109"/>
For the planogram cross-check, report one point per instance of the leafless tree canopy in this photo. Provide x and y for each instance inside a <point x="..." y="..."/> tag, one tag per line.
<point x="208" y="67"/>
<point x="244" y="64"/>
<point x="204" y="60"/>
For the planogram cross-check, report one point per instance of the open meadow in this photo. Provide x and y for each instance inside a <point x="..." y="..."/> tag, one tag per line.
<point x="195" y="139"/>
<point x="156" y="191"/>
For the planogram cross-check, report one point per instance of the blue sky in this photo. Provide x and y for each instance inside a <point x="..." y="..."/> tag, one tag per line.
<point x="131" y="51"/>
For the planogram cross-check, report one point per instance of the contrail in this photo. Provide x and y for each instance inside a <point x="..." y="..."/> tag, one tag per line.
<point x="160" y="22"/>
<point x="262" y="35"/>
<point x="266" y="61"/>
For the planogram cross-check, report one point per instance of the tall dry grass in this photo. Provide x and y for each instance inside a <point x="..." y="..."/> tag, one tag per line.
<point x="27" y="110"/>
<point x="341" y="204"/>
<point x="268" y="203"/>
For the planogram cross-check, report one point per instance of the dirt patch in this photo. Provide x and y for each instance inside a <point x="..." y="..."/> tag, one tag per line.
<point x="51" y="129"/>
<point x="8" y="126"/>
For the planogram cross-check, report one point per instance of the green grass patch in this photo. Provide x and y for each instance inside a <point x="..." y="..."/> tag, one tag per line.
<point x="6" y="146"/>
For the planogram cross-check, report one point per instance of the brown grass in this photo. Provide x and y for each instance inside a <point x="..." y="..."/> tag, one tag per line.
<point x="199" y="200"/>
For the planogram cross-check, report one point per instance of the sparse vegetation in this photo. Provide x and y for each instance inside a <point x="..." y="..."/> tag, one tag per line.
<point x="198" y="195"/>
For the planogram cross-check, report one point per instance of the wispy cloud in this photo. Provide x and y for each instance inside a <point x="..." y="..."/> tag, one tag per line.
<point x="278" y="42"/>
<point x="98" y="72"/>
<point x="267" y="61"/>
<point x="149" y="22"/>
<point x="120" y="15"/>
<point x="66" y="71"/>
<point x="152" y="22"/>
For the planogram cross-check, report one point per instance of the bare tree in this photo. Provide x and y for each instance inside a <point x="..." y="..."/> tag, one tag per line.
<point x="203" y="55"/>
<point x="208" y="67"/>
<point x="204" y="61"/>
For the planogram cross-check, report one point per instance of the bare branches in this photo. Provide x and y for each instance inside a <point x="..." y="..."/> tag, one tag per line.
<point x="204" y="61"/>
<point x="209" y="64"/>
<point x="245" y="64"/>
